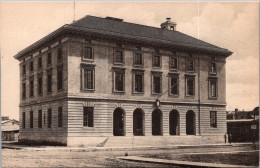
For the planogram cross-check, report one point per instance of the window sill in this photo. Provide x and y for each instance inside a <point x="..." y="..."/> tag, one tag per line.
<point x="49" y="92"/>
<point x="157" y="67"/>
<point x="87" y="90"/>
<point x="139" y="66"/>
<point x="174" y="95"/>
<point x="119" y="92"/>
<point x="190" y="71"/>
<point x="174" y="69"/>
<point x="87" y="60"/>
<point x="138" y="93"/>
<point x="88" y="128"/>
<point x="156" y="93"/>
<point x="60" y="90"/>
<point x="213" y="73"/>
<point x="213" y="98"/>
<point x="190" y="96"/>
<point x="118" y="63"/>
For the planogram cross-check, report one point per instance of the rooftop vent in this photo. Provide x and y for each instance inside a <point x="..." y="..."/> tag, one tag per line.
<point x="114" y="19"/>
<point x="169" y="25"/>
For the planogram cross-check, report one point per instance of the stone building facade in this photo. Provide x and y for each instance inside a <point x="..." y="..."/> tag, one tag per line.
<point x="103" y="77"/>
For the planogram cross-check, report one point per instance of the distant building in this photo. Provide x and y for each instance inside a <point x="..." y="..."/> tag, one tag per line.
<point x="100" y="77"/>
<point x="240" y="125"/>
<point x="10" y="129"/>
<point x="5" y="118"/>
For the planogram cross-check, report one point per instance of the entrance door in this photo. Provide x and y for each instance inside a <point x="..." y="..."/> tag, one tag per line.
<point x="157" y="122"/>
<point x="118" y="122"/>
<point x="138" y="122"/>
<point x="174" y="121"/>
<point x="190" y="123"/>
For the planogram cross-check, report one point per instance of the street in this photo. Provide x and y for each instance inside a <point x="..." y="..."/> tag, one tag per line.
<point x="55" y="157"/>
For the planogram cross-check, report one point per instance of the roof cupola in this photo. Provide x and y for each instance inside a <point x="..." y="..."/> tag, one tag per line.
<point x="169" y="25"/>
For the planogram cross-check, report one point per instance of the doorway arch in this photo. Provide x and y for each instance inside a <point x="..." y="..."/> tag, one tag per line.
<point x="174" y="122"/>
<point x="157" y="122"/>
<point x="138" y="122"/>
<point x="119" y="122"/>
<point x="190" y="123"/>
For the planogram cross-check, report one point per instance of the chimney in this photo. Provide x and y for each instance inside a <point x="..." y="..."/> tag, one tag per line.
<point x="169" y="25"/>
<point x="235" y="115"/>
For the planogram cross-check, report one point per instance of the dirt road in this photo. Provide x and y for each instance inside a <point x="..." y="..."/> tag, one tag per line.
<point x="81" y="158"/>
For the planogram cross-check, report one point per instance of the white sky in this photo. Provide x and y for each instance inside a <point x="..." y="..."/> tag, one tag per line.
<point x="231" y="25"/>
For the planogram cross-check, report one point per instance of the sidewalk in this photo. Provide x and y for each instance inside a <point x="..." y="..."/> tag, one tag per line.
<point x="45" y="148"/>
<point x="175" y="162"/>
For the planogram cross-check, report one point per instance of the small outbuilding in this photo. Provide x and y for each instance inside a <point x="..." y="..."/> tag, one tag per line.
<point x="10" y="130"/>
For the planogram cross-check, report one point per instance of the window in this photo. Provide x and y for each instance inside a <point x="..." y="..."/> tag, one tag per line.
<point x="49" y="58"/>
<point x="23" y="69"/>
<point x="190" y="85"/>
<point x="44" y="119"/>
<point x="59" y="78"/>
<point x="31" y="119"/>
<point x="49" y="81"/>
<point x="213" y="119"/>
<point x="39" y="118"/>
<point x="173" y="63"/>
<point x="138" y="81"/>
<point x="31" y="86"/>
<point x="23" y="119"/>
<point x="87" y="53"/>
<point x="213" y="68"/>
<point x="39" y="62"/>
<point x="40" y="85"/>
<point x="88" y="117"/>
<point x="59" y="116"/>
<point x="156" y="82"/>
<point x="190" y="65"/>
<point x="59" y="54"/>
<point x="213" y="87"/>
<point x="174" y="84"/>
<point x="23" y="90"/>
<point x="156" y="61"/>
<point x="118" y="57"/>
<point x="88" y="77"/>
<point x="119" y="80"/>
<point x="138" y="59"/>
<point x="31" y="66"/>
<point x="49" y="118"/>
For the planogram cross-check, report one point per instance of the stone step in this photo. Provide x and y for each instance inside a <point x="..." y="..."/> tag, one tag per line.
<point x="155" y="141"/>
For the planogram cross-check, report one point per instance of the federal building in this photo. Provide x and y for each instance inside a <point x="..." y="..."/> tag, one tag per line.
<point x="100" y="78"/>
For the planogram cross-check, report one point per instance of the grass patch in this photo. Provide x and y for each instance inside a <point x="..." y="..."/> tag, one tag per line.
<point x="247" y="159"/>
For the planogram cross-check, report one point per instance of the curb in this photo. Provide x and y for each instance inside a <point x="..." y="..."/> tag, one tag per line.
<point x="179" y="163"/>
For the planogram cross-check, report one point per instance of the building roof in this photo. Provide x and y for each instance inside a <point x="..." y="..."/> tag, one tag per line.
<point x="10" y="125"/>
<point x="120" y="29"/>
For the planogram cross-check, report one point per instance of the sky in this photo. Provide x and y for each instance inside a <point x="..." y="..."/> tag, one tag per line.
<point x="231" y="25"/>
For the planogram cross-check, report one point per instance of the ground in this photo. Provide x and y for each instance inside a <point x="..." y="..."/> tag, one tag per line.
<point x="55" y="157"/>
